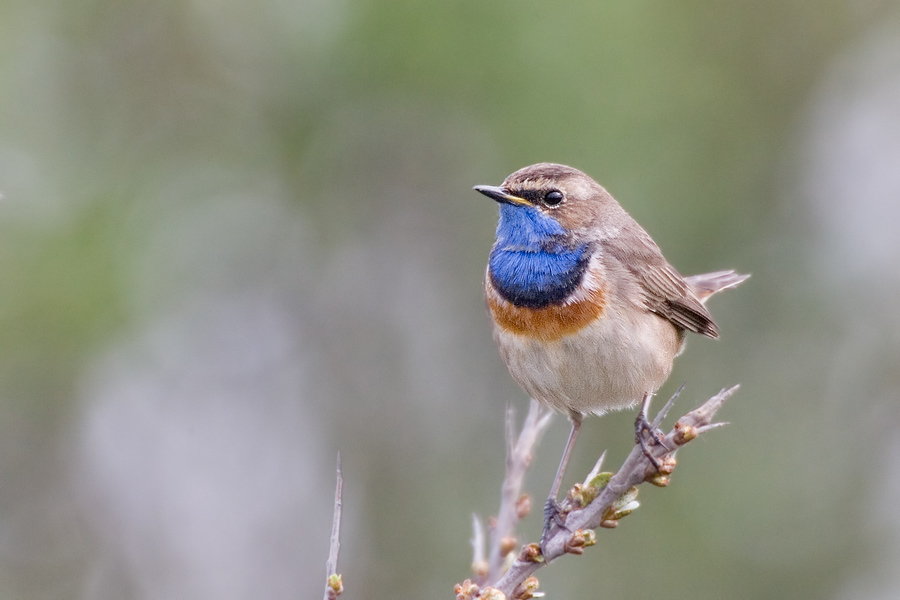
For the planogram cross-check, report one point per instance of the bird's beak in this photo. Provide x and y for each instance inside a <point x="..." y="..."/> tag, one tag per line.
<point x="500" y="195"/>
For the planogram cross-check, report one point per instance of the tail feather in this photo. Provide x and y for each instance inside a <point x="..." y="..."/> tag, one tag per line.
<point x="708" y="284"/>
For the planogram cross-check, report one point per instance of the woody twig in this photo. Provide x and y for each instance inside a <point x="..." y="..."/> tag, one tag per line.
<point x="334" y="585"/>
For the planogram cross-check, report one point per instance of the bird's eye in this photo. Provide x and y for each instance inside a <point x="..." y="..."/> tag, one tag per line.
<point x="552" y="198"/>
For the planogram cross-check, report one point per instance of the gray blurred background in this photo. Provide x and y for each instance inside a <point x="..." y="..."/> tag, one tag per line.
<point x="237" y="237"/>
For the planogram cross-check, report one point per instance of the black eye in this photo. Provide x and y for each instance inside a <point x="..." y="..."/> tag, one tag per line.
<point x="552" y="198"/>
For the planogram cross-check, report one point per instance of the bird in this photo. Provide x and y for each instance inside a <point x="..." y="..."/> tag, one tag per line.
<point x="586" y="312"/>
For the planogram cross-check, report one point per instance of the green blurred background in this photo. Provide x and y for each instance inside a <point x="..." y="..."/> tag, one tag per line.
<point x="237" y="237"/>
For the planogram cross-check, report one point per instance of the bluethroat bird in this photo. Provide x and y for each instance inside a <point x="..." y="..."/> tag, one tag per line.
<point x="587" y="313"/>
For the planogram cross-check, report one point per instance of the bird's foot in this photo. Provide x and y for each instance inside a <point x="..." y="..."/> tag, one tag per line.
<point x="641" y="426"/>
<point x="553" y="515"/>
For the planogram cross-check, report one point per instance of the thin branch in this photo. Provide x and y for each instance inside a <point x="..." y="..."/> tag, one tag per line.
<point x="479" y="562"/>
<point x="333" y="583"/>
<point x="510" y="430"/>
<point x="613" y="501"/>
<point x="664" y="411"/>
<point x="520" y="452"/>
<point x="596" y="470"/>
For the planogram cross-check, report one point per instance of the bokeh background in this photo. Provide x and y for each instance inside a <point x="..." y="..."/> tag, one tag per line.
<point x="239" y="237"/>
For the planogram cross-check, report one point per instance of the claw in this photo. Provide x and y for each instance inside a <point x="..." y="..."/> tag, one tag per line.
<point x="552" y="516"/>
<point x="642" y="425"/>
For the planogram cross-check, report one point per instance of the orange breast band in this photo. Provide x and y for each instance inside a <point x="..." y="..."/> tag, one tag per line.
<point x="549" y="323"/>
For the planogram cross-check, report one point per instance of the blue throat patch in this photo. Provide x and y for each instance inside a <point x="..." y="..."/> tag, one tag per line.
<point x="530" y="264"/>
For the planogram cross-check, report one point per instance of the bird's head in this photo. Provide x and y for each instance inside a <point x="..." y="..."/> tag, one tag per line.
<point x="550" y="217"/>
<point x="549" y="201"/>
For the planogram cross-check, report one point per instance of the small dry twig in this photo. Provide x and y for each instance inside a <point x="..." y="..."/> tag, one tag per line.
<point x="334" y="585"/>
<point x="519" y="454"/>
<point x="479" y="562"/>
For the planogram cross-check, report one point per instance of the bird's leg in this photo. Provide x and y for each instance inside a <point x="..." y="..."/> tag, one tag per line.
<point x="641" y="425"/>
<point x="551" y="507"/>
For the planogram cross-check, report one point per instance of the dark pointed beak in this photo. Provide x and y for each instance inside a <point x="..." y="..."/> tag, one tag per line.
<point x="500" y="195"/>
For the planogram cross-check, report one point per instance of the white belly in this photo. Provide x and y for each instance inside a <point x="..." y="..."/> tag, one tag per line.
<point x="602" y="367"/>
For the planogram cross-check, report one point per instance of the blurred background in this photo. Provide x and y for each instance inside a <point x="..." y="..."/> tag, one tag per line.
<point x="237" y="238"/>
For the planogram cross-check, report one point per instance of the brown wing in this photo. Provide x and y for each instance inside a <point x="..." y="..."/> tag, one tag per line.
<point x="666" y="293"/>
